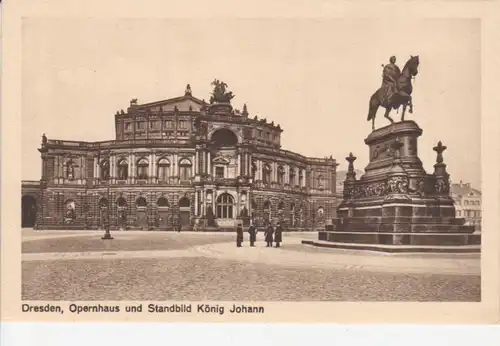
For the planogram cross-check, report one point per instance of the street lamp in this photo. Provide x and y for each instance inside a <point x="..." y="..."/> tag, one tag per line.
<point x="107" y="234"/>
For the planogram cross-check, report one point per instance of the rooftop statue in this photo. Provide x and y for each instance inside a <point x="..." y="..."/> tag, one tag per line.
<point x="396" y="89"/>
<point x="219" y="95"/>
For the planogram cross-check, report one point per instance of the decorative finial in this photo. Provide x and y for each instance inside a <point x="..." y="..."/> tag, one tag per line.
<point x="117" y="113"/>
<point x="439" y="150"/>
<point x="245" y="110"/>
<point x="351" y="158"/>
<point x="255" y="118"/>
<point x="188" y="92"/>
<point x="351" y="174"/>
<point x="122" y="112"/>
<point x="44" y="139"/>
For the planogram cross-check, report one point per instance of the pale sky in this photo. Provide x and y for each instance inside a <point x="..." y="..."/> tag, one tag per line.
<point x="313" y="77"/>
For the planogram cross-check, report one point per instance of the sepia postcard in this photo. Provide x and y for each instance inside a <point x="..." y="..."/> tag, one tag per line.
<point x="235" y="163"/>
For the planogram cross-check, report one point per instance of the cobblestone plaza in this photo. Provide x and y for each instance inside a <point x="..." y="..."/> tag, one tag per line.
<point x="78" y="265"/>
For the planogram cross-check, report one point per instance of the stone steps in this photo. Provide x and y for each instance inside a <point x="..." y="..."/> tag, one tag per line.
<point x="395" y="248"/>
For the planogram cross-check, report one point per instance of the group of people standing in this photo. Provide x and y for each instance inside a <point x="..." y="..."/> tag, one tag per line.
<point x="270" y="233"/>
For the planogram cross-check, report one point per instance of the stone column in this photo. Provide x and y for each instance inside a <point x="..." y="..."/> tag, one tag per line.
<point x="112" y="168"/>
<point x="203" y="198"/>
<point x="176" y="163"/>
<point x="150" y="168"/>
<point x="247" y="164"/>
<point x="171" y="158"/>
<point x="196" y="158"/>
<point x="130" y="167"/>
<point x="238" y="204"/>
<point x="155" y="170"/>
<point x="209" y="163"/>
<point x="238" y="165"/>
<point x="98" y="169"/>
<point x="196" y="199"/>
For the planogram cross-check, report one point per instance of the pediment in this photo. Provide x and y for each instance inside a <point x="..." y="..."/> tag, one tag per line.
<point x="183" y="104"/>
<point x="221" y="160"/>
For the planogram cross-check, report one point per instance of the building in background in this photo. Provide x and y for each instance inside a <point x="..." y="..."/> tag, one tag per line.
<point x="180" y="163"/>
<point x="467" y="203"/>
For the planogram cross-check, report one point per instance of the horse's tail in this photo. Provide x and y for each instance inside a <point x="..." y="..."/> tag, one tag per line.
<point x="374" y="104"/>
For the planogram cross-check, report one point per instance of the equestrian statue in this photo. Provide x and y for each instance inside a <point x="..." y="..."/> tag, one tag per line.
<point x="396" y="89"/>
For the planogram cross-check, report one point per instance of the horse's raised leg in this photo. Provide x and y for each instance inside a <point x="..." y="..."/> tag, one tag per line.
<point x="403" y="113"/>
<point x="411" y="107"/>
<point x="373" y="123"/>
<point x="386" y="115"/>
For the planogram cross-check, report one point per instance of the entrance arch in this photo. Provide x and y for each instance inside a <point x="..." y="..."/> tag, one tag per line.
<point x="225" y="206"/>
<point x="184" y="212"/>
<point x="28" y="211"/>
<point x="224" y="138"/>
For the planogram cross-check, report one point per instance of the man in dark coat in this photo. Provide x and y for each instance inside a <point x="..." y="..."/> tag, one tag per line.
<point x="252" y="231"/>
<point x="277" y="235"/>
<point x="239" y="235"/>
<point x="269" y="235"/>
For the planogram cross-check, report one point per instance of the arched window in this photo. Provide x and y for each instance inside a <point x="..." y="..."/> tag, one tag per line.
<point x="225" y="204"/>
<point x="266" y="177"/>
<point x="163" y="170"/>
<point x="267" y="211"/>
<point x="185" y="167"/>
<point x="69" y="172"/>
<point x="104" y="170"/>
<point x="121" y="202"/>
<point x="103" y="203"/>
<point x="224" y="138"/>
<point x="142" y="169"/>
<point x="321" y="181"/>
<point x="184" y="202"/>
<point x="281" y="174"/>
<point x="141" y="202"/>
<point x="162" y="202"/>
<point x="291" y="176"/>
<point x="281" y="207"/>
<point x="123" y="170"/>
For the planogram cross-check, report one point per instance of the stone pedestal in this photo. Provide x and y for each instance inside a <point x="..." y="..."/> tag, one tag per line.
<point x="396" y="202"/>
<point x="220" y="108"/>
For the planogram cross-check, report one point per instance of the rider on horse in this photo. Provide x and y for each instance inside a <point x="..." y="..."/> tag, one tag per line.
<point x="390" y="77"/>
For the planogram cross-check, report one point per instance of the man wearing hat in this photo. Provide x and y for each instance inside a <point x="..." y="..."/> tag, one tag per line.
<point x="269" y="235"/>
<point x="239" y="235"/>
<point x="277" y="234"/>
<point x="252" y="231"/>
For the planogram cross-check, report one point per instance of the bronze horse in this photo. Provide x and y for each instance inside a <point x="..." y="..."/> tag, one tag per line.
<point x="402" y="97"/>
